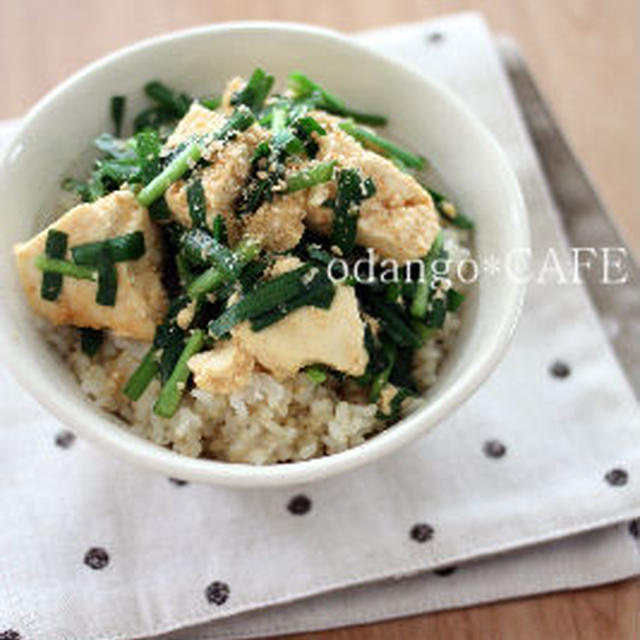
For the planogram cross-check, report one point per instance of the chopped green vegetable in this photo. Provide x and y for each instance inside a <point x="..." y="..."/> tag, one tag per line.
<point x="129" y="246"/>
<point x="320" y="294"/>
<point x="202" y="249"/>
<point x="251" y="273"/>
<point x="167" y="403"/>
<point x="382" y="378"/>
<point x="454" y="299"/>
<point x="56" y="244"/>
<point x="206" y="282"/>
<point x="103" y="271"/>
<point x="316" y="373"/>
<point x="219" y="229"/>
<point x="117" y="113"/>
<point x="264" y="298"/>
<point x="91" y="340"/>
<point x="436" y="314"/>
<point x="425" y="333"/>
<point x="107" y="278"/>
<point x="257" y="191"/>
<point x="304" y="127"/>
<point x="317" y="254"/>
<point x="393" y="319"/>
<point x="65" y="268"/>
<point x="83" y="189"/>
<point x="310" y="125"/>
<point x="142" y="376"/>
<point x="350" y="193"/>
<point x="148" y="147"/>
<point x="239" y="120"/>
<point x="225" y="286"/>
<point x="246" y="250"/>
<point x="159" y="210"/>
<point x="197" y="203"/>
<point x="176" y="103"/>
<point x="182" y="162"/>
<point x="185" y="274"/>
<point x="186" y="159"/>
<point x="423" y="289"/>
<point x="255" y="92"/>
<point x="304" y="88"/>
<point x="369" y="119"/>
<point x="55" y="247"/>
<point x="381" y="145"/>
<point x="291" y="136"/>
<point x="278" y="120"/>
<point x="306" y="178"/>
<point x="133" y="161"/>
<point x="462" y="222"/>
<point x="169" y="341"/>
<point x="211" y="103"/>
<point x="393" y="291"/>
<point x="403" y="368"/>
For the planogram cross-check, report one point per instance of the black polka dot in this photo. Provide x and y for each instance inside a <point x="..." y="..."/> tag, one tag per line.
<point x="299" y="505"/>
<point x="634" y="528"/>
<point x="217" y="593"/>
<point x="617" y="477"/>
<point x="560" y="369"/>
<point x="178" y="482"/>
<point x="64" y="439"/>
<point x="10" y="634"/>
<point x="435" y="36"/>
<point x="96" y="558"/>
<point x="494" y="449"/>
<point x="445" y="571"/>
<point x="421" y="532"/>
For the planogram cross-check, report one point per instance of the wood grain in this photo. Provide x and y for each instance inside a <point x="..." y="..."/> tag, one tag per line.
<point x="603" y="613"/>
<point x="585" y="55"/>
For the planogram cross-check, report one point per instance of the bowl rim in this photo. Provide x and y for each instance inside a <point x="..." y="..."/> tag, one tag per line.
<point x="88" y="421"/>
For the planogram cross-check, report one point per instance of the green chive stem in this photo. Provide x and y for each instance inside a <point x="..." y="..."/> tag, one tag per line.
<point x="142" y="376"/>
<point x="385" y="147"/>
<point x="306" y="178"/>
<point x="245" y="251"/>
<point x="421" y="298"/>
<point x="174" y="171"/>
<point x="65" y="268"/>
<point x="167" y="403"/>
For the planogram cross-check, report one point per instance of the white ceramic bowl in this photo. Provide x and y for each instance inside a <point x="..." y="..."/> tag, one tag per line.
<point x="421" y="112"/>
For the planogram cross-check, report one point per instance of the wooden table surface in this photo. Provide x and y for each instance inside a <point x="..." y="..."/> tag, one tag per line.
<point x="585" y="56"/>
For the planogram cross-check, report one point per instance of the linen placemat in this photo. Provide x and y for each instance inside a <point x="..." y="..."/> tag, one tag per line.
<point x="91" y="548"/>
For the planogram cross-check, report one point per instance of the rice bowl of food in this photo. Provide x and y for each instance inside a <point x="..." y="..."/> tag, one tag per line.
<point x="251" y="280"/>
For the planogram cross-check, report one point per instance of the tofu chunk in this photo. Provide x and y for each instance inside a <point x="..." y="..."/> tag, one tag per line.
<point x="222" y="181"/>
<point x="309" y="335"/>
<point x="225" y="369"/>
<point x="278" y="224"/>
<point x="141" y="300"/>
<point x="196" y="122"/>
<point x="399" y="221"/>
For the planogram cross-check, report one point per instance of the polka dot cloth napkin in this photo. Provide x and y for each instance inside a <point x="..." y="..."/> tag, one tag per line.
<point x="542" y="463"/>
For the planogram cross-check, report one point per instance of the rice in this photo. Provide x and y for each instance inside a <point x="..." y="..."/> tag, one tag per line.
<point x="266" y="422"/>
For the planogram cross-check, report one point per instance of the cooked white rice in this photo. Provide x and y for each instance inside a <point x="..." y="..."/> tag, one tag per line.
<point x="268" y="421"/>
